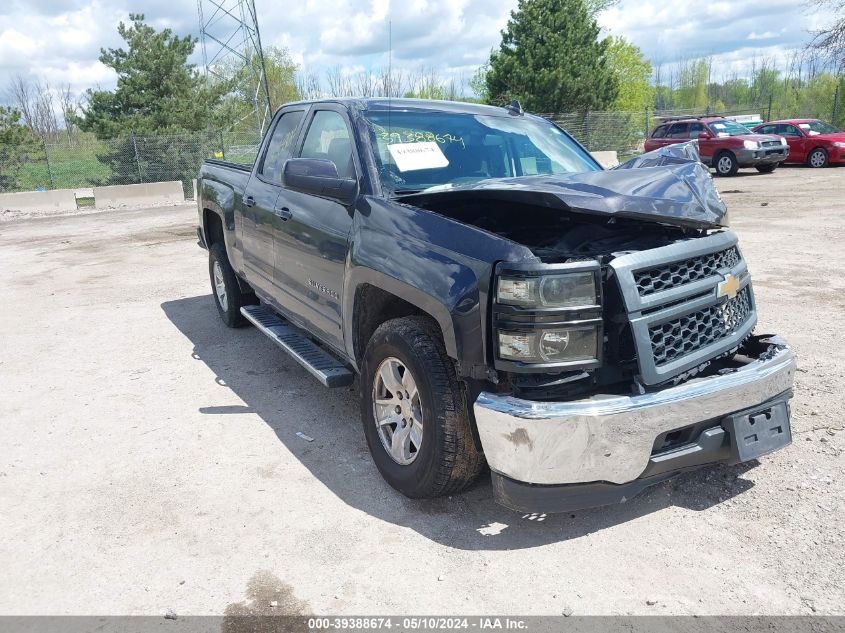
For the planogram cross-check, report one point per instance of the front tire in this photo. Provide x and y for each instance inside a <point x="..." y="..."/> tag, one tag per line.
<point x="726" y="164"/>
<point x="225" y="289"/>
<point x="818" y="158"/>
<point x="767" y="169"/>
<point x="414" y="411"/>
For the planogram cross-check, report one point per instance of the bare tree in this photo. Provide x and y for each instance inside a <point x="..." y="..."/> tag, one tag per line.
<point x="35" y="102"/>
<point x="831" y="41"/>
<point x="20" y="94"/>
<point x="308" y="85"/>
<point x="69" y="109"/>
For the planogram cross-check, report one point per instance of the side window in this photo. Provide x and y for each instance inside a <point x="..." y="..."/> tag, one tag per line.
<point x="766" y="129"/>
<point x="789" y="130"/>
<point x="695" y="129"/>
<point x="280" y="146"/>
<point x="678" y="130"/>
<point x="328" y="137"/>
<point x="660" y="132"/>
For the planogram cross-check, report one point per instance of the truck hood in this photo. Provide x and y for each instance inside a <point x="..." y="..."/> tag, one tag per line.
<point x="668" y="185"/>
<point x="754" y="136"/>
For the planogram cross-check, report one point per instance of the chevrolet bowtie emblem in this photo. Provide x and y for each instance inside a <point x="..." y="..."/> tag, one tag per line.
<point x="729" y="287"/>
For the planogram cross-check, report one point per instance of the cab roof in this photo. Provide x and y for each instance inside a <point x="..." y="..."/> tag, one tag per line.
<point x="431" y="105"/>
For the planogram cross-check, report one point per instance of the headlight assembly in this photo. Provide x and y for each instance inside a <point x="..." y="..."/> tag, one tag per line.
<point x="548" y="316"/>
<point x="751" y="144"/>
<point x="543" y="346"/>
<point x="571" y="290"/>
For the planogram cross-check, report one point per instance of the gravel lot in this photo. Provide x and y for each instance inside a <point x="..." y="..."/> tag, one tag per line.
<point x="150" y="460"/>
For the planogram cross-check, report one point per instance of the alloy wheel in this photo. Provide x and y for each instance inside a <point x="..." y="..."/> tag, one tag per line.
<point x="220" y="286"/>
<point x="397" y="411"/>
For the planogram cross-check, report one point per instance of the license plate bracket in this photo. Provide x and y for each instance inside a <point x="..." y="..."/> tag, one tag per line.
<point x="759" y="431"/>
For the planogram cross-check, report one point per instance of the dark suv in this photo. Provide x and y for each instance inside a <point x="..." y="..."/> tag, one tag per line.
<point x="723" y="144"/>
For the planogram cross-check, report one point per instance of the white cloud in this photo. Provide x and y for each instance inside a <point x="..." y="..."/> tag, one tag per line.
<point x="60" y="40"/>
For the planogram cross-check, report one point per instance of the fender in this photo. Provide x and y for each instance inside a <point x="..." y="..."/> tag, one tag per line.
<point x="427" y="303"/>
<point x="220" y="198"/>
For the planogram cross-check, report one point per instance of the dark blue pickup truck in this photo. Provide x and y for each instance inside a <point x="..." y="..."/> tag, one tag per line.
<point x="502" y="299"/>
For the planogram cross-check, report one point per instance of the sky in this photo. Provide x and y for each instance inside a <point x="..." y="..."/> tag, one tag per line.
<point x="59" y="41"/>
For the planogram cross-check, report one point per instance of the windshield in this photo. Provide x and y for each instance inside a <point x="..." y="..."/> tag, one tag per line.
<point x="819" y="127"/>
<point x="728" y="128"/>
<point x="418" y="150"/>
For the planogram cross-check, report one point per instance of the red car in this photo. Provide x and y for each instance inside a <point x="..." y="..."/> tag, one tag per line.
<point x="723" y="144"/>
<point x="814" y="142"/>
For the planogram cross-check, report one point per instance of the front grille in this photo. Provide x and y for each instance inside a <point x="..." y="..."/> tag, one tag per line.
<point x="771" y="143"/>
<point x="679" y="318"/>
<point x="676" y="274"/>
<point x="695" y="331"/>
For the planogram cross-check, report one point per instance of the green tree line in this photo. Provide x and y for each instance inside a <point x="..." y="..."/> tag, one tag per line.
<point x="164" y="116"/>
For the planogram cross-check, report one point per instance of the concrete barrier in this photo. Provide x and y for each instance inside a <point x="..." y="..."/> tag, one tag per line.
<point x="608" y="160"/>
<point x="133" y="195"/>
<point x="55" y="200"/>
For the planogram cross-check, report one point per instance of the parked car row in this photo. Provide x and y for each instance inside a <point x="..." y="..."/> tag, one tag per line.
<point x="726" y="145"/>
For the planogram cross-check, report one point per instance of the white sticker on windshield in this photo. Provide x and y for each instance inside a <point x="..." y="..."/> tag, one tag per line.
<point x="413" y="156"/>
<point x="718" y="126"/>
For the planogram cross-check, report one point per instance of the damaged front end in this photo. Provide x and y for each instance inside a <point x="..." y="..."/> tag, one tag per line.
<point x="669" y="349"/>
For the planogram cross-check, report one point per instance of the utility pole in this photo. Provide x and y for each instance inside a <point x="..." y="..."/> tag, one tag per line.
<point x="231" y="40"/>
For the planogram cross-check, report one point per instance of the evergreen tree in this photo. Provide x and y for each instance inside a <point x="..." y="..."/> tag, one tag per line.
<point x="157" y="89"/>
<point x="158" y="119"/>
<point x="552" y="60"/>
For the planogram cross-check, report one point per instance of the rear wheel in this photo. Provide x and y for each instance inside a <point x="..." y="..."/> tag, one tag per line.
<point x="726" y="164"/>
<point x="817" y="158"/>
<point x="767" y="169"/>
<point x="414" y="411"/>
<point x="227" y="293"/>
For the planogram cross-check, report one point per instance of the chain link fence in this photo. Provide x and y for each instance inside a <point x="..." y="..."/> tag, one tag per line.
<point x="87" y="162"/>
<point x="80" y="163"/>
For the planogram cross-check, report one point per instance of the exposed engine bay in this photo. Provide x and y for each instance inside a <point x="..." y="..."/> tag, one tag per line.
<point x="558" y="236"/>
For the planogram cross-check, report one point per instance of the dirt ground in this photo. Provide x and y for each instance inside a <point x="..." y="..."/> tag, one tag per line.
<point x="149" y="457"/>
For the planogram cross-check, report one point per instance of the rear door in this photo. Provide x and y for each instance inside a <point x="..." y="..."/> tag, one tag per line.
<point x="677" y="133"/>
<point x="657" y="138"/>
<point x="311" y="245"/>
<point x="260" y="218"/>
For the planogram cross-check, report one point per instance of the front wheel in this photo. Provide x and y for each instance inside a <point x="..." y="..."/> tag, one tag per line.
<point x="817" y="158"/>
<point x="726" y="164"/>
<point x="414" y="411"/>
<point x="767" y="169"/>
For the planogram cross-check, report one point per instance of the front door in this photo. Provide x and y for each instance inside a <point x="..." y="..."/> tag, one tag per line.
<point x="259" y="204"/>
<point x="796" y="140"/>
<point x="313" y="242"/>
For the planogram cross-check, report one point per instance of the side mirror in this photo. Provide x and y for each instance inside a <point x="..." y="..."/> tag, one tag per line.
<point x="704" y="136"/>
<point x="319" y="177"/>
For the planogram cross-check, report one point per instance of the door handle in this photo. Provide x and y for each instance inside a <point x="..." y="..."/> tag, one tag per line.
<point x="249" y="201"/>
<point x="284" y="213"/>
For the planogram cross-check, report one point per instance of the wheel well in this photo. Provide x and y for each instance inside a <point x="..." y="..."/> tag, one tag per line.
<point x="213" y="227"/>
<point x="374" y="306"/>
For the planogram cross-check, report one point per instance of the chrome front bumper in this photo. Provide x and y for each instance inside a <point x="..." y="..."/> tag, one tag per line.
<point x="610" y="438"/>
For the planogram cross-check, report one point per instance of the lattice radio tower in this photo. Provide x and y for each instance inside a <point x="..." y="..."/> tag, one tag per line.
<point x="230" y="38"/>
